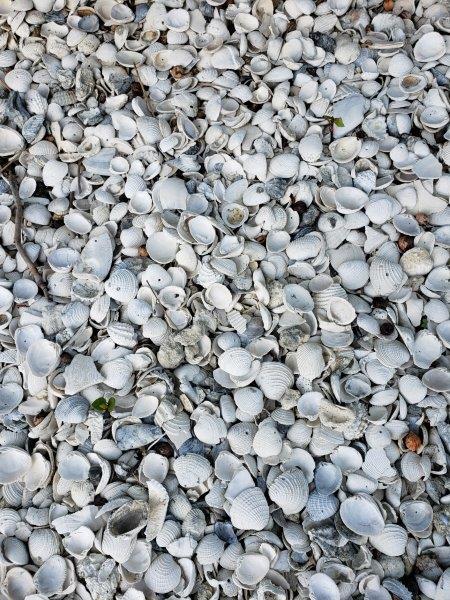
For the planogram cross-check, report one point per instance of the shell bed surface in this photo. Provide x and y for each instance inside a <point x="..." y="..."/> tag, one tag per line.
<point x="224" y="300"/>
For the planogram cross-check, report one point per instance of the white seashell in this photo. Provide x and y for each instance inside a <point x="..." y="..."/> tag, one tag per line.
<point x="310" y="148"/>
<point x="158" y="503"/>
<point x="11" y="141"/>
<point x="349" y="200"/>
<point x="361" y="515"/>
<point x="191" y="470"/>
<point x="73" y="409"/>
<point x="429" y="47"/>
<point x="310" y="360"/>
<point x="289" y="491"/>
<point x="235" y="361"/>
<point x="251" y="569"/>
<point x="274" y="379"/>
<point x="345" y="149"/>
<point x="209" y="549"/>
<point x="81" y="374"/>
<point x="50" y="578"/>
<point x="122" y="285"/>
<point x="267" y="441"/>
<point x="163" y="575"/>
<point x="328" y="478"/>
<point x="284" y="165"/>
<point x="42" y="544"/>
<point x="79" y="542"/>
<point x="43" y="357"/>
<point x="15" y="463"/>
<point x="249" y="510"/>
<point x="391" y="541"/>
<point x="321" y="586"/>
<point x="416" y="515"/>
<point x="74" y="467"/>
<point x="219" y="296"/>
<point x="297" y="298"/>
<point x="249" y="400"/>
<point x="162" y="247"/>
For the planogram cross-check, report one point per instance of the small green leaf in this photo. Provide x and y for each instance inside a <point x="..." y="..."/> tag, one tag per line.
<point x="424" y="323"/>
<point x="338" y="122"/>
<point x="101" y="405"/>
<point x="111" y="404"/>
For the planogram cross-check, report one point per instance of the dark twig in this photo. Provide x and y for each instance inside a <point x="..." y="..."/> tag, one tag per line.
<point x="11" y="179"/>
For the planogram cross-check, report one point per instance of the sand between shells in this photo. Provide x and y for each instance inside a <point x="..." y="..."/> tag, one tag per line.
<point x="224" y="300"/>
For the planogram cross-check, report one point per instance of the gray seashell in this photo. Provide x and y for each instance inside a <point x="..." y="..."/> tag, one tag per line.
<point x="163" y="575"/>
<point x="73" y="409"/>
<point x="361" y="515"/>
<point x="289" y="491"/>
<point x="128" y="437"/>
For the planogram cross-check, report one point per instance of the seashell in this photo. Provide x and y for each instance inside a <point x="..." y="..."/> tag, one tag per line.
<point x="284" y="165"/>
<point x="249" y="510"/>
<point x="345" y="149"/>
<point x="328" y="478"/>
<point x="11" y="396"/>
<point x="361" y="515"/>
<point x="289" y="491"/>
<point x="15" y="463"/>
<point x="121" y="285"/>
<point x="50" y="578"/>
<point x="209" y="549"/>
<point x="267" y="441"/>
<point x="11" y="141"/>
<point x="297" y="298"/>
<point x="416" y="516"/>
<point x="191" y="470"/>
<point x="392" y="540"/>
<point x="385" y="276"/>
<point x="43" y="357"/>
<point x="251" y="568"/>
<point x="249" y="400"/>
<point x="321" y="586"/>
<point x="79" y="542"/>
<point x="42" y="544"/>
<point x="163" y="575"/>
<point x="429" y="47"/>
<point x="274" y="379"/>
<point x="74" y="467"/>
<point x="310" y="360"/>
<point x="73" y="409"/>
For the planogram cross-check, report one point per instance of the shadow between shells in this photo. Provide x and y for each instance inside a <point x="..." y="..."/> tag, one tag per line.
<point x="224" y="291"/>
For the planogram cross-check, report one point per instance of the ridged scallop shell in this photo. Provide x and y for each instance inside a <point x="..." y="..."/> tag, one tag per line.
<point x="391" y="541"/>
<point x="386" y="276"/>
<point x="191" y="470"/>
<point x="210" y="430"/>
<point x="249" y="510"/>
<point x="81" y="374"/>
<point x="361" y="515"/>
<point x="284" y="165"/>
<point x="209" y="549"/>
<point x="289" y="491"/>
<point x="163" y="575"/>
<point x="122" y="285"/>
<point x="310" y="360"/>
<point x="274" y="379"/>
<point x="235" y="361"/>
<point x="73" y="409"/>
<point x="267" y="441"/>
<point x="321" y="507"/>
<point x="42" y="544"/>
<point x="391" y="353"/>
<point x="249" y="399"/>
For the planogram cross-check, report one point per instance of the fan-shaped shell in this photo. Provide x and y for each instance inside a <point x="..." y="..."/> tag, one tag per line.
<point x="122" y="285"/>
<point x="11" y="141"/>
<point x="249" y="510"/>
<point x="251" y="568"/>
<point x="391" y="541"/>
<point x="417" y="515"/>
<point x="163" y="575"/>
<point x="235" y="361"/>
<point x="14" y="464"/>
<point x="249" y="399"/>
<point x="73" y="409"/>
<point x="192" y="470"/>
<point x="267" y="441"/>
<point x="274" y="379"/>
<point x="209" y="549"/>
<point x="290" y="491"/>
<point x="49" y="579"/>
<point x="42" y="544"/>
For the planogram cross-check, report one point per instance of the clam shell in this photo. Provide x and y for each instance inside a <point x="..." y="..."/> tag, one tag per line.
<point x="50" y="578"/>
<point x="361" y="515"/>
<point x="191" y="470"/>
<point x="42" y="544"/>
<point x="15" y="463"/>
<point x="251" y="569"/>
<point x="11" y="141"/>
<point x="391" y="541"/>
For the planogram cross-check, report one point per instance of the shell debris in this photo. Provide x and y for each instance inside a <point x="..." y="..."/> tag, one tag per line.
<point x="224" y="299"/>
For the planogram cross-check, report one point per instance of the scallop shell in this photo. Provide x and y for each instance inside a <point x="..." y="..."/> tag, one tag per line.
<point x="163" y="575"/>
<point x="289" y="491"/>
<point x="310" y="360"/>
<point x="42" y="544"/>
<point x="249" y="510"/>
<point x="321" y="586"/>
<point x="209" y="549"/>
<point x="50" y="578"/>
<point x="267" y="441"/>
<point x="274" y="379"/>
<point x="251" y="568"/>
<point x="429" y="47"/>
<point x="191" y="470"/>
<point x="121" y="285"/>
<point x="284" y="165"/>
<point x="345" y="149"/>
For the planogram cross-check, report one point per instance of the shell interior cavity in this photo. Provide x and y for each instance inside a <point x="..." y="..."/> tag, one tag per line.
<point x="224" y="299"/>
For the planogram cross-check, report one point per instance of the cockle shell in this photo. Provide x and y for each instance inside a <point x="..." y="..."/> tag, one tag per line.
<point x="15" y="463"/>
<point x="163" y="575"/>
<point x="289" y="491"/>
<point x="274" y="379"/>
<point x="249" y="510"/>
